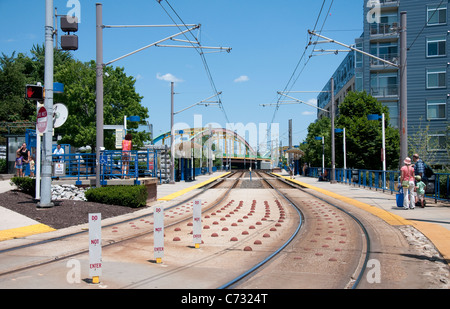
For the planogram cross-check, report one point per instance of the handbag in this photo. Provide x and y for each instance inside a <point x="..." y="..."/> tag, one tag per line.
<point x="405" y="183"/>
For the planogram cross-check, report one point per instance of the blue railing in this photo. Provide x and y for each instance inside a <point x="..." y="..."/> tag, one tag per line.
<point x="114" y="164"/>
<point x="438" y="186"/>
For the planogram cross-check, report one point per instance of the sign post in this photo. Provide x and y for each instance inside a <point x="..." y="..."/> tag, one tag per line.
<point x="197" y="223"/>
<point x="41" y="120"/>
<point x="158" y="233"/>
<point x="95" y="246"/>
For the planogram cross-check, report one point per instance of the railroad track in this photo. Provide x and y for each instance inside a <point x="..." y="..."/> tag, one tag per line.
<point x="316" y="211"/>
<point x="223" y="241"/>
<point x="80" y="233"/>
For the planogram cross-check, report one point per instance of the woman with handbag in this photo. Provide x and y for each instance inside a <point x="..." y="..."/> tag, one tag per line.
<point x="407" y="178"/>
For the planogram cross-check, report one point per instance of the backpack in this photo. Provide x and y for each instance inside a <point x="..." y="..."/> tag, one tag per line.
<point x="428" y="171"/>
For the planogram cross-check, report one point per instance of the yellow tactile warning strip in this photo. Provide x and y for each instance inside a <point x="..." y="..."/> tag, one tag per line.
<point x="25" y="231"/>
<point x="184" y="191"/>
<point x="437" y="234"/>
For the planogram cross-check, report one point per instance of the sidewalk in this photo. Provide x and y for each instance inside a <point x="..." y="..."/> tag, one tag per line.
<point x="433" y="220"/>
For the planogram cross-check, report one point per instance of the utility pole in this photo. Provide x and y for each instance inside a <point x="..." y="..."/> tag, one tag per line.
<point x="403" y="111"/>
<point x="333" y="144"/>
<point x="99" y="91"/>
<point x="172" y="137"/>
<point x="100" y="65"/>
<point x="402" y="66"/>
<point x="46" y="180"/>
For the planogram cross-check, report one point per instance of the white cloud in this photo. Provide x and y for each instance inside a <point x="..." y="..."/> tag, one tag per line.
<point x="308" y="113"/>
<point x="311" y="110"/>
<point x="241" y="79"/>
<point x="168" y="78"/>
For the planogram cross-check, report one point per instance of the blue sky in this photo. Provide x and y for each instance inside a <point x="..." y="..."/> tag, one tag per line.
<point x="267" y="40"/>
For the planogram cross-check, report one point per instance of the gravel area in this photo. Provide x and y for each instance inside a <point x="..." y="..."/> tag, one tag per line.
<point x="64" y="214"/>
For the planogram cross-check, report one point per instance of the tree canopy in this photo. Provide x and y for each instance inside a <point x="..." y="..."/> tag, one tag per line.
<point x="79" y="79"/>
<point x="363" y="136"/>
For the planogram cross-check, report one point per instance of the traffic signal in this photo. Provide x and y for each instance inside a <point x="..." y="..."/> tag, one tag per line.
<point x="69" y="41"/>
<point x="34" y="92"/>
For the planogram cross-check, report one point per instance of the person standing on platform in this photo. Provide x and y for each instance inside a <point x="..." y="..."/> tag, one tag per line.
<point x="127" y="145"/>
<point x="25" y="154"/>
<point x="420" y="190"/>
<point x="407" y="179"/>
<point x="59" y="152"/>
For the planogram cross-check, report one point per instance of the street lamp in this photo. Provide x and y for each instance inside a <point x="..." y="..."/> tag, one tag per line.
<point x="337" y="130"/>
<point x="318" y="138"/>
<point x="383" y="147"/>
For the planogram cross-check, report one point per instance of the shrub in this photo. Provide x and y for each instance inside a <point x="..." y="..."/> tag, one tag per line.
<point x="25" y="184"/>
<point x="3" y="166"/>
<point x="131" y="196"/>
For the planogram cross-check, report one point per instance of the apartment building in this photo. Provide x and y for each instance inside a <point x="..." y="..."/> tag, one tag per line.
<point x="428" y="62"/>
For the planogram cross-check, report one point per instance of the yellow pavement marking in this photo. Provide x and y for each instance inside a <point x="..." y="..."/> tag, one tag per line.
<point x="25" y="231"/>
<point x="184" y="191"/>
<point x="437" y="234"/>
<point x="381" y="213"/>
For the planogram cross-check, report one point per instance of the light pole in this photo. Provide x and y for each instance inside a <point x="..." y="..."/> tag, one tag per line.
<point x="383" y="147"/>
<point x="46" y="179"/>
<point x="318" y="138"/>
<point x="402" y="66"/>
<point x="99" y="64"/>
<point x="337" y="130"/>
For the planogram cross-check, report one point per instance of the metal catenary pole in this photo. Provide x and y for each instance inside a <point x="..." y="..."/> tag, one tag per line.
<point x="46" y="179"/>
<point x="402" y="66"/>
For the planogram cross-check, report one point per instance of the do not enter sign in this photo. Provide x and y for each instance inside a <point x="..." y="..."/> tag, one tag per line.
<point x="42" y="120"/>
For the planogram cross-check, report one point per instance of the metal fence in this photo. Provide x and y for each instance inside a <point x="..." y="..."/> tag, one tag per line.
<point x="116" y="164"/>
<point x="438" y="186"/>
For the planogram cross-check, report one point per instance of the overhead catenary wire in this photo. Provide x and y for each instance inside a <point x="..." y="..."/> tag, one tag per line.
<point x="291" y="82"/>
<point x="424" y="26"/>
<point x="198" y="47"/>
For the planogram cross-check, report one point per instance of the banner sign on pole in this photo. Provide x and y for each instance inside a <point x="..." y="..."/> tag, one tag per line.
<point x="197" y="223"/>
<point x="95" y="246"/>
<point x="158" y="233"/>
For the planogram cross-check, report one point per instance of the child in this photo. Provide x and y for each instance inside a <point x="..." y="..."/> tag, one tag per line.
<point x="32" y="167"/>
<point x="420" y="187"/>
<point x="18" y="165"/>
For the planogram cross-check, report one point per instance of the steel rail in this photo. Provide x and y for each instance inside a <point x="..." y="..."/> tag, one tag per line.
<point x="253" y="269"/>
<point x="205" y="188"/>
<point x="62" y="257"/>
<point x="364" y="230"/>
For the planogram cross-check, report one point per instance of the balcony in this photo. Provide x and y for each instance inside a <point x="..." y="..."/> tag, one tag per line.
<point x="389" y="3"/>
<point x="376" y="64"/>
<point x="390" y="91"/>
<point x="384" y="30"/>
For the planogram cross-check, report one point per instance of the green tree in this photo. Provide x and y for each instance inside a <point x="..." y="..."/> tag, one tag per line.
<point x="79" y="79"/>
<point x="364" y="137"/>
<point x="313" y="147"/>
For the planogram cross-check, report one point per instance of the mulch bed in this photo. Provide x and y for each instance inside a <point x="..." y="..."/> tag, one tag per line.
<point x="64" y="214"/>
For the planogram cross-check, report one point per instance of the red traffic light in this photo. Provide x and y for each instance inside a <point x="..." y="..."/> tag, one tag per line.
<point x="34" y="92"/>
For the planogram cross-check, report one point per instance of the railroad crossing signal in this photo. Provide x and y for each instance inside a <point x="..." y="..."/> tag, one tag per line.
<point x="34" y="92"/>
<point x="69" y="24"/>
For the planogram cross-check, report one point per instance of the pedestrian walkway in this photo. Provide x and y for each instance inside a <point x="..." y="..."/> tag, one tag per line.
<point x="433" y="221"/>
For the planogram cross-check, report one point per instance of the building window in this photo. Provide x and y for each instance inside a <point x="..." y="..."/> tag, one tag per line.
<point x="384" y="84"/>
<point x="436" y="46"/>
<point x="436" y="109"/>
<point x="436" y="78"/>
<point x="436" y="142"/>
<point x="386" y="51"/>
<point x="436" y="15"/>
<point x="393" y="112"/>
